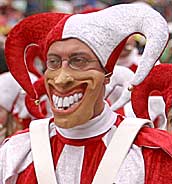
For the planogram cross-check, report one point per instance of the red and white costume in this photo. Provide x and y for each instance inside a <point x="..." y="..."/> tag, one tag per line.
<point x="79" y="150"/>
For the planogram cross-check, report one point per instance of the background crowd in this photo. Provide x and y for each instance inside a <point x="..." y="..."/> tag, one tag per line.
<point x="12" y="11"/>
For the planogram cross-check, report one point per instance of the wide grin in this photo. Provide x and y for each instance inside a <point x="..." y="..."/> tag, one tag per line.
<point x="66" y="102"/>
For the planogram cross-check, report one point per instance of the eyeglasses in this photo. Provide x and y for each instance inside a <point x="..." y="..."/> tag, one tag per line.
<point x="77" y="63"/>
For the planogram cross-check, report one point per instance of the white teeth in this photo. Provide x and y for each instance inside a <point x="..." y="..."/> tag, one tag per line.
<point x="67" y="101"/>
<point x="60" y="102"/>
<point x="75" y="97"/>
<point x="80" y="95"/>
<point x="71" y="99"/>
<point x="54" y="98"/>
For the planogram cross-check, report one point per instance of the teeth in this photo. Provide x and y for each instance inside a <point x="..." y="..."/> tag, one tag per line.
<point x="76" y="97"/>
<point x="80" y="95"/>
<point x="54" y="98"/>
<point x="71" y="99"/>
<point x="67" y="101"/>
<point x="60" y="102"/>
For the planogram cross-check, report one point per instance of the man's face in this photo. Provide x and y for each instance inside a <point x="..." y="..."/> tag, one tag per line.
<point x="76" y="94"/>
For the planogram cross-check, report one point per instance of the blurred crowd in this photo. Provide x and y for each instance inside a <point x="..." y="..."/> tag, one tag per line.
<point x="13" y="11"/>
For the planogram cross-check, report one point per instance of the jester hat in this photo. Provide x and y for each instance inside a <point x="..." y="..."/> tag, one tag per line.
<point x="104" y="31"/>
<point x="159" y="81"/>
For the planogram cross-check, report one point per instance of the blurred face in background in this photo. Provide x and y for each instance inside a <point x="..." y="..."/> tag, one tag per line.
<point x="129" y="46"/>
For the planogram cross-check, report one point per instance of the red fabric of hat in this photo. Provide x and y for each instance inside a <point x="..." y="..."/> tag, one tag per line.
<point x="31" y="53"/>
<point x="159" y="79"/>
<point x="32" y="30"/>
<point x="37" y="110"/>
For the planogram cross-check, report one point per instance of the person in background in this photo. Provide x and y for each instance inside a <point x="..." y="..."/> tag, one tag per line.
<point x="129" y="56"/>
<point x="13" y="112"/>
<point x="83" y="142"/>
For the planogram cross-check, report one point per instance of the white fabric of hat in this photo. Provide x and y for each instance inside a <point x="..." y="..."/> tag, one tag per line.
<point x="104" y="30"/>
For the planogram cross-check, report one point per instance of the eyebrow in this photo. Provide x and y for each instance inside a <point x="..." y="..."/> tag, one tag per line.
<point x="79" y="53"/>
<point x="71" y="55"/>
<point x="52" y="54"/>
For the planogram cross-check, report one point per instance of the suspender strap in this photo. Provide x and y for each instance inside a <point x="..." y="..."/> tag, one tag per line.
<point x="118" y="149"/>
<point x="109" y="165"/>
<point x="41" y="151"/>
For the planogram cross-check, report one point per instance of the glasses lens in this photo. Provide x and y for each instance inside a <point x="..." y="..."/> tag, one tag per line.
<point x="78" y="63"/>
<point x="54" y="63"/>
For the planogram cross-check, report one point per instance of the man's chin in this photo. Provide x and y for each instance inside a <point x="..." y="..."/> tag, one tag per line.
<point x="66" y="123"/>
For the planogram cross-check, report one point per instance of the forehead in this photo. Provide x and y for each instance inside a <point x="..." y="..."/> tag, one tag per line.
<point x="69" y="46"/>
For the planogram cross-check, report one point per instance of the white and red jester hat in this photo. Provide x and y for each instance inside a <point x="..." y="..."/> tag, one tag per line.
<point x="117" y="92"/>
<point x="41" y="111"/>
<point x="31" y="54"/>
<point x="105" y="32"/>
<point x="159" y="80"/>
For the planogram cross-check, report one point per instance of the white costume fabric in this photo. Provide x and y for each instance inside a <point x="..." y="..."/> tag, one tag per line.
<point x="15" y="154"/>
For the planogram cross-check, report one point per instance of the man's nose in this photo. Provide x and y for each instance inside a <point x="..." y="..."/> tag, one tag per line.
<point x="63" y="78"/>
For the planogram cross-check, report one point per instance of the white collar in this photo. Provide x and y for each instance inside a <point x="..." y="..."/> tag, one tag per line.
<point x="100" y="124"/>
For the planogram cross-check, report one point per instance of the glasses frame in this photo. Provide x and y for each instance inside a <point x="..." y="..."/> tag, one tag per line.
<point x="85" y="60"/>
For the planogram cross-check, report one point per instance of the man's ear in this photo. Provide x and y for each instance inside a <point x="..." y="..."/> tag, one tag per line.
<point x="107" y="78"/>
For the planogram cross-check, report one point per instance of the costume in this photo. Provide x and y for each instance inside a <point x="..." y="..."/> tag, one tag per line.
<point x="86" y="117"/>
<point x="156" y="111"/>
<point x="117" y="92"/>
<point x="120" y="98"/>
<point x="84" y="153"/>
<point x="159" y="81"/>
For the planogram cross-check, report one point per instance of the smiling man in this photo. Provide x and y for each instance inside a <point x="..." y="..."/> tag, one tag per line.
<point x="74" y="145"/>
<point x="74" y="80"/>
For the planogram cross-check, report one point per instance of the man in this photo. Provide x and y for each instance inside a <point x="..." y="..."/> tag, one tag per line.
<point x="81" y="51"/>
<point x="130" y="55"/>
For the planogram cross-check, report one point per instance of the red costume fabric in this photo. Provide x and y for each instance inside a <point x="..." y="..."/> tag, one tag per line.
<point x="156" y="148"/>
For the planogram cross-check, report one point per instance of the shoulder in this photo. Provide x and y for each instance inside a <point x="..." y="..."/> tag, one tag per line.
<point x="15" y="153"/>
<point x="154" y="138"/>
<point x="157" y="152"/>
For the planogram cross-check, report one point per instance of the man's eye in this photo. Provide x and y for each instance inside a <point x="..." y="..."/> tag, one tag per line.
<point x="78" y="61"/>
<point x="53" y="63"/>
